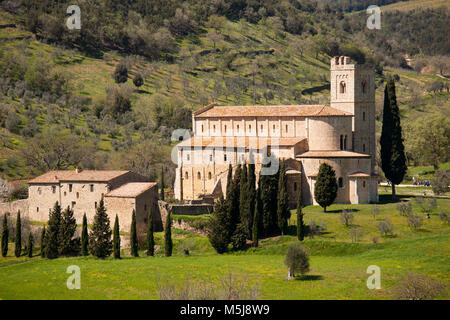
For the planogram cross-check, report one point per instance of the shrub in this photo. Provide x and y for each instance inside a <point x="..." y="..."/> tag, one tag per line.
<point x="238" y="240"/>
<point x="404" y="208"/>
<point x="297" y="259"/>
<point x="356" y="234"/>
<point x="121" y="73"/>
<point x="315" y="229"/>
<point x="444" y="217"/>
<point x="415" y="221"/>
<point x="418" y="287"/>
<point x="385" y="227"/>
<point x="375" y="211"/>
<point x="441" y="182"/>
<point x="346" y="218"/>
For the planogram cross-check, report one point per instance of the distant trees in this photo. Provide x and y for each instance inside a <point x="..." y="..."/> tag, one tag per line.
<point x="441" y="181"/>
<point x="5" y="236"/>
<point x="100" y="244"/>
<point x="393" y="159"/>
<point x="346" y="218"/>
<point x="18" y="236"/>
<point x="42" y="247"/>
<point x="325" y="188"/>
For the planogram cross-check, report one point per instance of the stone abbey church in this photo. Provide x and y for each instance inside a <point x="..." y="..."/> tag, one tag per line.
<point x="341" y="134"/>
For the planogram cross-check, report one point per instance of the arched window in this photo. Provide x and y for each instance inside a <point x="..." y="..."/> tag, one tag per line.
<point x="364" y="147"/>
<point x="345" y="142"/>
<point x="209" y="175"/>
<point x="199" y="176"/>
<point x="364" y="184"/>
<point x="249" y="127"/>
<point x="342" y="87"/>
<point x="273" y="128"/>
<point x="225" y="157"/>
<point x="214" y="128"/>
<point x="363" y="86"/>
<point x="364" y="116"/>
<point x="237" y="128"/>
<point x="286" y="128"/>
<point x="340" y="182"/>
<point x="295" y="186"/>
<point x="341" y="142"/>
<point x="186" y="175"/>
<point x="225" y="128"/>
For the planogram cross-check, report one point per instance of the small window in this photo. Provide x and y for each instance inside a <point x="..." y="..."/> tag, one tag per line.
<point x="225" y="128"/>
<point x="295" y="186"/>
<point x="39" y="191"/>
<point x="225" y="157"/>
<point x="95" y="204"/>
<point x="286" y="128"/>
<point x="210" y="158"/>
<point x="341" y="142"/>
<point x="91" y="187"/>
<point x="54" y="189"/>
<point x="364" y="116"/>
<point x="238" y="128"/>
<point x="262" y="127"/>
<point x="37" y="209"/>
<point x="273" y="128"/>
<point x="209" y="175"/>
<point x="364" y="147"/>
<point x="73" y="204"/>
<point x="186" y="175"/>
<point x="78" y="195"/>
<point x="340" y="182"/>
<point x="342" y="87"/>
<point x="199" y="176"/>
<point x="364" y="184"/>
<point x="188" y="157"/>
<point x="65" y="193"/>
<point x="249" y="127"/>
<point x="363" y="87"/>
<point x="202" y="128"/>
<point x="345" y="142"/>
<point x="70" y="187"/>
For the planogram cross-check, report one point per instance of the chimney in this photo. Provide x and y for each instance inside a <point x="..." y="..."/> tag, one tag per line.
<point x="78" y="169"/>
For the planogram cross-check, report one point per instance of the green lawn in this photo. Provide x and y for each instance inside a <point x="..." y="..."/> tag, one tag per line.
<point x="338" y="266"/>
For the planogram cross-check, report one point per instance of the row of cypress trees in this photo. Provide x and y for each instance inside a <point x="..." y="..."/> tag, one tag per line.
<point x="248" y="213"/>
<point x="17" y="238"/>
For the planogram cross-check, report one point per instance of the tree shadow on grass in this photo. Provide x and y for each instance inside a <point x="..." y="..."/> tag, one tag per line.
<point x="340" y="210"/>
<point x="387" y="198"/>
<point x="309" y="277"/>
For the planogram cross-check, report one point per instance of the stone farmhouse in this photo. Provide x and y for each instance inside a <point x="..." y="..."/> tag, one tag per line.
<point x="82" y="191"/>
<point x="341" y="134"/>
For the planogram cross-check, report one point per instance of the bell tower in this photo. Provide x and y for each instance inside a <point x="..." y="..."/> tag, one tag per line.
<point x="352" y="89"/>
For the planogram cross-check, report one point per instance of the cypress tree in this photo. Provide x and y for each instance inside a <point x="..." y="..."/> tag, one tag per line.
<point x="325" y="189"/>
<point x="67" y="228"/>
<point x="162" y="184"/>
<point x="18" y="236"/>
<point x="229" y="179"/>
<point x="269" y="195"/>
<point x="257" y="219"/>
<point x="168" y="236"/>
<point x="100" y="244"/>
<point x="51" y="242"/>
<point x="43" y="235"/>
<point x="239" y="237"/>
<point x="283" y="212"/>
<point x="5" y="236"/>
<point x="150" y="238"/>
<point x="133" y="235"/>
<point x="218" y="229"/>
<point x="84" y="237"/>
<point x="232" y="205"/>
<point x="300" y="223"/>
<point x="393" y="159"/>
<point x="243" y="204"/>
<point x="251" y="197"/>
<point x="30" y="245"/>
<point x="116" y="239"/>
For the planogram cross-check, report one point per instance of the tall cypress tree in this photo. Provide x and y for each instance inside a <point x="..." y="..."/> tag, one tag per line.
<point x="51" y="242"/>
<point x="84" y="237"/>
<point x="257" y="219"/>
<point x="162" y="184"/>
<point x="300" y="223"/>
<point x="133" y="235"/>
<point x="67" y="228"/>
<point x="269" y="193"/>
<point x="100" y="244"/>
<point x="393" y="159"/>
<point x="5" y="236"/>
<point x="18" y="237"/>
<point x="232" y="204"/>
<point x="325" y="189"/>
<point x="42" y="248"/>
<point x="218" y="230"/>
<point x="30" y="245"/>
<point x="150" y="237"/>
<point x="168" y="236"/>
<point x="229" y="179"/>
<point x="283" y="213"/>
<point x="243" y="204"/>
<point x="116" y="239"/>
<point x="251" y="197"/>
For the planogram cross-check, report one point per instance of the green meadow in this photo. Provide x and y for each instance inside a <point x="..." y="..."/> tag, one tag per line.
<point x="338" y="265"/>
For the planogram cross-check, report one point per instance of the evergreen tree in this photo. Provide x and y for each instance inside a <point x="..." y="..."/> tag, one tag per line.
<point x="325" y="189"/>
<point x="150" y="238"/>
<point x="5" y="236"/>
<point x="218" y="229"/>
<point x="232" y="205"/>
<point x="84" y="237"/>
<point x="18" y="237"/>
<point x="283" y="212"/>
<point x="257" y="219"/>
<point x="100" y="244"/>
<point x="162" y="184"/>
<point x="133" y="235"/>
<point x="30" y="245"/>
<point x="51" y="242"/>
<point x="168" y="236"/>
<point x="43" y="235"/>
<point x="121" y="73"/>
<point x="238" y="240"/>
<point x="269" y="193"/>
<point x="116" y="239"/>
<point x="138" y="80"/>
<point x="251" y="197"/>
<point x="393" y="159"/>
<point x="67" y="228"/>
<point x="300" y="223"/>
<point x="243" y="204"/>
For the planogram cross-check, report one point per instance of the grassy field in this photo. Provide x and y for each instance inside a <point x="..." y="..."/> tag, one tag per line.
<point x="338" y="266"/>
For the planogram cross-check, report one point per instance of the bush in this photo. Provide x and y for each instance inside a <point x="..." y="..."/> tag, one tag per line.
<point x="315" y="229"/>
<point x="444" y="216"/>
<point x="415" y="221"/>
<point x="418" y="287"/>
<point x="297" y="259"/>
<point x="404" y="208"/>
<point x="121" y="73"/>
<point x="346" y="218"/>
<point x="356" y="234"/>
<point x="385" y="227"/>
<point x="375" y="211"/>
<point x="441" y="182"/>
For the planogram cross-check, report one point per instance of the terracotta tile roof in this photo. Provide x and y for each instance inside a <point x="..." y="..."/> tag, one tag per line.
<point x="131" y="189"/>
<point x="359" y="175"/>
<point x="56" y="176"/>
<point x="215" y="111"/>
<point x="332" y="154"/>
<point x="253" y="142"/>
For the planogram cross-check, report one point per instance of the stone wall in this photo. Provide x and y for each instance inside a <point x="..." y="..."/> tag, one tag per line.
<point x="14" y="206"/>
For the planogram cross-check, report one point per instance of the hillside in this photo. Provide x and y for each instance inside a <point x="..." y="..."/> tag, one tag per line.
<point x="56" y="96"/>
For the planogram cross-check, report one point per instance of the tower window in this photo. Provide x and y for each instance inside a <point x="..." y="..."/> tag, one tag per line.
<point x="37" y="209"/>
<point x="345" y="142"/>
<point x="342" y="87"/>
<point x="286" y="128"/>
<point x="199" y="176"/>
<point x="363" y="87"/>
<point x="364" y="116"/>
<point x="249" y="127"/>
<point x="341" y="142"/>
<point x="364" y="147"/>
<point x="214" y="128"/>
<point x="364" y="184"/>
<point x="261" y="127"/>
<point x="340" y="182"/>
<point x="186" y="175"/>
<point x="295" y="186"/>
<point x="238" y="128"/>
<point x="273" y="128"/>
<point x="54" y="189"/>
<point x="209" y="175"/>
<point x="225" y="157"/>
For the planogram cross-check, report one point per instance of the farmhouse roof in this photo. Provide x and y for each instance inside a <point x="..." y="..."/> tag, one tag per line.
<point x="131" y="189"/>
<point x="55" y="176"/>
<point x="215" y="111"/>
